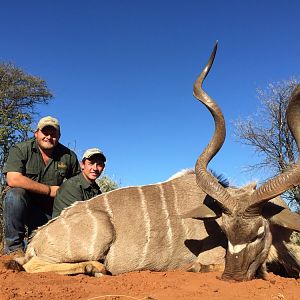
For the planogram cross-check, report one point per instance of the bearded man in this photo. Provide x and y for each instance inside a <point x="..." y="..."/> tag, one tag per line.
<point x="34" y="171"/>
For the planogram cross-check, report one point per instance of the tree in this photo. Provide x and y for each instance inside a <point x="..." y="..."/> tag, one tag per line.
<point x="267" y="132"/>
<point x="106" y="184"/>
<point x="19" y="95"/>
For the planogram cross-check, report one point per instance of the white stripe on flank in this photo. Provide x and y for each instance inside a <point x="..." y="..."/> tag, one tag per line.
<point x="236" y="249"/>
<point x="175" y="198"/>
<point x="169" y="226"/>
<point x="147" y="227"/>
<point x="181" y="220"/>
<point x="67" y="233"/>
<point x="110" y="214"/>
<point x="107" y="206"/>
<point x="91" y="247"/>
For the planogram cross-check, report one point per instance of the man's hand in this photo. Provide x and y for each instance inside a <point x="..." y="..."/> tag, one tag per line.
<point x="53" y="190"/>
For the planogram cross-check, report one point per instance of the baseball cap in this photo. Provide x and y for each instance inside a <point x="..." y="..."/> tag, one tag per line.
<point x="91" y="152"/>
<point x="48" y="121"/>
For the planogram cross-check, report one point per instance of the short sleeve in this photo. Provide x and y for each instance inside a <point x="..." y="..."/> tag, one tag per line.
<point x="16" y="161"/>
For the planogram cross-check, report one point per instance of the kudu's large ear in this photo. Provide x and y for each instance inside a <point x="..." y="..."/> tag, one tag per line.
<point x="287" y="219"/>
<point x="281" y="216"/>
<point x="201" y="212"/>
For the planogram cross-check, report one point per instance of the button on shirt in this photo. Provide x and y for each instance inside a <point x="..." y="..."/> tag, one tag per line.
<point x="77" y="188"/>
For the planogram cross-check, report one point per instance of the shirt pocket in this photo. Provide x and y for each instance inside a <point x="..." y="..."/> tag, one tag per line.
<point x="61" y="175"/>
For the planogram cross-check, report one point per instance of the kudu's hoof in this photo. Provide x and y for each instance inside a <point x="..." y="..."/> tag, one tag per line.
<point x="91" y="270"/>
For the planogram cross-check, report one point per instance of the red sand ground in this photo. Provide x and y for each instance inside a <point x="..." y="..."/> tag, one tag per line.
<point x="142" y="285"/>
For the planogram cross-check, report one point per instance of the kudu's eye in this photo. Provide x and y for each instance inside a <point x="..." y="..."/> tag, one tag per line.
<point x="260" y="234"/>
<point x="257" y="237"/>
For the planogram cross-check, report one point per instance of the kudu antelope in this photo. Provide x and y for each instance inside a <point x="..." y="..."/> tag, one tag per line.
<point x="190" y="221"/>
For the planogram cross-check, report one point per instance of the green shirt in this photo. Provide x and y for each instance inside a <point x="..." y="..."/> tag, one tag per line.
<point x="74" y="189"/>
<point x="26" y="159"/>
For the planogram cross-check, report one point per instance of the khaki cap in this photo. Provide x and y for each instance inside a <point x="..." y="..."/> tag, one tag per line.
<point x="91" y="152"/>
<point x="48" y="121"/>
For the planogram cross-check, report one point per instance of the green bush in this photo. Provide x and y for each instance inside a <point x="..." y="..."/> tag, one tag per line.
<point x="106" y="184"/>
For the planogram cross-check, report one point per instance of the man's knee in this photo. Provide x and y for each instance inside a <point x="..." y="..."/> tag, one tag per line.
<point x="15" y="204"/>
<point x="16" y="193"/>
<point x="15" y="197"/>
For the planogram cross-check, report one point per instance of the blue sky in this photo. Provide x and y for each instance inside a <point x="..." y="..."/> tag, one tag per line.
<point x="122" y="72"/>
